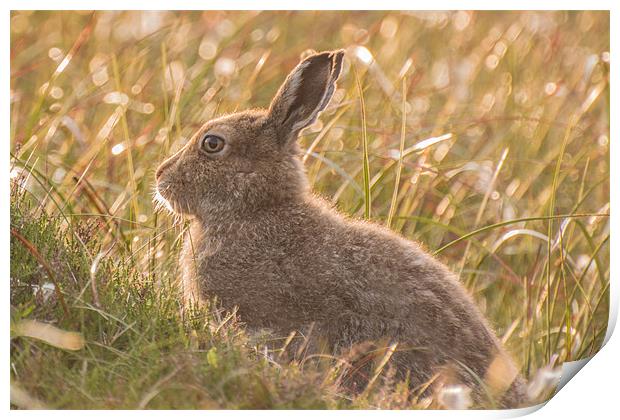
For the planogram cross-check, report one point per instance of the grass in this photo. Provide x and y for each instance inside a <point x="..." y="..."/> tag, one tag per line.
<point x="483" y="136"/>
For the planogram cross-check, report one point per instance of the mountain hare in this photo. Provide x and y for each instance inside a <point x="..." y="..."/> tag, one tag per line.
<point x="261" y="242"/>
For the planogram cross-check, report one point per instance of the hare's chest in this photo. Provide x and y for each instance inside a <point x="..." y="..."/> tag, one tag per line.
<point x="258" y="287"/>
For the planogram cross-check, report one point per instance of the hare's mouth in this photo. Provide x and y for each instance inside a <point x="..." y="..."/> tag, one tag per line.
<point x="162" y="202"/>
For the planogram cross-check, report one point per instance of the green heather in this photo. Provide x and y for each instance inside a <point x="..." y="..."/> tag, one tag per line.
<point x="483" y="136"/>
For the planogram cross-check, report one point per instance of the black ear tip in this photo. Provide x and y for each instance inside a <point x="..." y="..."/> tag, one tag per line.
<point x="337" y="57"/>
<point x="318" y="56"/>
<point x="338" y="54"/>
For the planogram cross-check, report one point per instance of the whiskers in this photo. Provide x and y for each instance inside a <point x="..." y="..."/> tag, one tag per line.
<point x="161" y="204"/>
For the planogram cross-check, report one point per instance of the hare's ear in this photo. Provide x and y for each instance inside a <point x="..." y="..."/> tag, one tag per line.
<point x="305" y="92"/>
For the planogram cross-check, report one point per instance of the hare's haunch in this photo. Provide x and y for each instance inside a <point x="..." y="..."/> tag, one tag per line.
<point x="260" y="241"/>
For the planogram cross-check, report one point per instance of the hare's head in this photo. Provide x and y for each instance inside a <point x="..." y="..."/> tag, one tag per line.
<point x="249" y="160"/>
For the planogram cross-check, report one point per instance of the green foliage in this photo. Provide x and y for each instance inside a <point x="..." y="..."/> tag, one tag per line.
<point x="140" y="351"/>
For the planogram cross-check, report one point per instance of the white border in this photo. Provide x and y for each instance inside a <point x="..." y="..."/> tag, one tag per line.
<point x="593" y="394"/>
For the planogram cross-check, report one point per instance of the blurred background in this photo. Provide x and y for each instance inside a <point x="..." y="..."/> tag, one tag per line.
<point x="502" y="119"/>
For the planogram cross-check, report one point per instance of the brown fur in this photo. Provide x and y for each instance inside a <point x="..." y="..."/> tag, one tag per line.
<point x="260" y="241"/>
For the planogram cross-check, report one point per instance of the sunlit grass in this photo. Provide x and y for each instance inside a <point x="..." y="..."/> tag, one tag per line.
<point x="484" y="136"/>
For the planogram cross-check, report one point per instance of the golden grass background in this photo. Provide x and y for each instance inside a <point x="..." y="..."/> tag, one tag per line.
<point x="504" y="122"/>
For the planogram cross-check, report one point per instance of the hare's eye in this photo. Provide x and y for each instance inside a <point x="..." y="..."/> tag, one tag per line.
<point x="212" y="144"/>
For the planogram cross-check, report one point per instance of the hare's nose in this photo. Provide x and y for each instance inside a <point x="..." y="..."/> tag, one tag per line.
<point x="165" y="164"/>
<point x="159" y="170"/>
